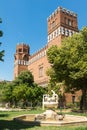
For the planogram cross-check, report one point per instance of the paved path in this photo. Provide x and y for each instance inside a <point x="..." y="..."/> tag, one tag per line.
<point x="10" y="109"/>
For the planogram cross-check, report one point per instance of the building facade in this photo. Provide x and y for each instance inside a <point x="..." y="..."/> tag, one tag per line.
<point x="61" y="23"/>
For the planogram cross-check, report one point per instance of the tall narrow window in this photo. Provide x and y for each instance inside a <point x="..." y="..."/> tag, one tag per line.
<point x="72" y="22"/>
<point x="69" y="22"/>
<point x="65" y="20"/>
<point x="53" y="24"/>
<point x="73" y="99"/>
<point x="41" y="71"/>
<point x="20" y="50"/>
<point x="25" y="57"/>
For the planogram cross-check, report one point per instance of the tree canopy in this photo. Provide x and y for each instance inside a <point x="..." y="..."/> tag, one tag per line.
<point x="1" y="52"/>
<point x="25" y="77"/>
<point x="69" y="63"/>
<point x="21" y="91"/>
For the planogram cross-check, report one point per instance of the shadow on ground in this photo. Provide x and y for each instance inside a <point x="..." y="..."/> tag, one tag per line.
<point x="4" y="115"/>
<point x="15" y="125"/>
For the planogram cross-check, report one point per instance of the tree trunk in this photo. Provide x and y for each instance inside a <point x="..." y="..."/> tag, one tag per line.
<point x="83" y="101"/>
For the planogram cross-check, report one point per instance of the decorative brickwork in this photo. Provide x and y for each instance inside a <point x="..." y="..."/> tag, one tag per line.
<point x="21" y="58"/>
<point x="61" y="23"/>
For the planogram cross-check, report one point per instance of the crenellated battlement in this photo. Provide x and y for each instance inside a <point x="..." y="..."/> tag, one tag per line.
<point x="60" y="9"/>
<point x="61" y="23"/>
<point x="22" y="45"/>
<point x="38" y="55"/>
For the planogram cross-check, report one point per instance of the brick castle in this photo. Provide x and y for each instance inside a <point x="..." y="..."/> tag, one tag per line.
<point x="61" y="23"/>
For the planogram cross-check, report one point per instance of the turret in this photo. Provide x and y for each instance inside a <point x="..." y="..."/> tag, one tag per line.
<point x="61" y="23"/>
<point x="21" y="58"/>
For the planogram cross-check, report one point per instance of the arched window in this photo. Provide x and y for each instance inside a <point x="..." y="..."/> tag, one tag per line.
<point x="20" y="50"/>
<point x="53" y="24"/>
<point x="25" y="58"/>
<point x="69" y="22"/>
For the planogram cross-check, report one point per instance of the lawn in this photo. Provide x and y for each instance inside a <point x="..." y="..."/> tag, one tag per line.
<point x="7" y="122"/>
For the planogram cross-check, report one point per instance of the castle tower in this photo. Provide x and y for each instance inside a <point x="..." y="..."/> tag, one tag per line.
<point x="21" y="58"/>
<point x="62" y="23"/>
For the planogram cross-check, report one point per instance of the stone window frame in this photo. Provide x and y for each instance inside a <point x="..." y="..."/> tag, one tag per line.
<point x="69" y="22"/>
<point x="41" y="70"/>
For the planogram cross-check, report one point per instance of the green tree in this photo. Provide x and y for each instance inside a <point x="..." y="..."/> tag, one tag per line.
<point x="1" y="52"/>
<point x="69" y="64"/>
<point x="19" y="95"/>
<point x="22" y="90"/>
<point x="2" y="88"/>
<point x="22" y="94"/>
<point x="7" y="92"/>
<point x="25" y="77"/>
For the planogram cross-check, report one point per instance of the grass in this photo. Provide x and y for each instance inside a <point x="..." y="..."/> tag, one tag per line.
<point x="7" y="122"/>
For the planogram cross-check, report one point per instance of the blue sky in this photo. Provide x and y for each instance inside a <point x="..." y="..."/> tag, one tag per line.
<point x="26" y="21"/>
